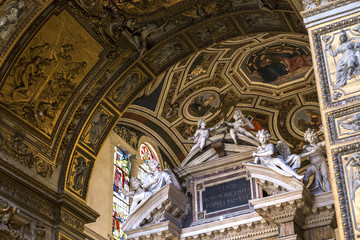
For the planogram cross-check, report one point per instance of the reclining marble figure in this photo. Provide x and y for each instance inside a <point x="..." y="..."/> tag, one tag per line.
<point x="265" y="156"/>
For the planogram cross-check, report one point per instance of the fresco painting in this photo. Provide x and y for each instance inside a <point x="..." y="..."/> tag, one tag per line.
<point x="278" y="64"/>
<point x="201" y="105"/>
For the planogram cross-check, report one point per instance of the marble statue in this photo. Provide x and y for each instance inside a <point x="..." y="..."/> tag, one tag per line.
<point x="201" y="135"/>
<point x="153" y="182"/>
<point x="265" y="155"/>
<point x="318" y="167"/>
<point x="239" y="126"/>
<point x="355" y="158"/>
<point x="353" y="124"/>
<point x="349" y="62"/>
<point x="138" y="194"/>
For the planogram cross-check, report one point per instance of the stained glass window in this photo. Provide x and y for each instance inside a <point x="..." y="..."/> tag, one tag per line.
<point x="120" y="202"/>
<point x="147" y="153"/>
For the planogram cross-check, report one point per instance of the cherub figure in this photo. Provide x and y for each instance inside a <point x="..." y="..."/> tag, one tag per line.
<point x="138" y="194"/>
<point x="201" y="135"/>
<point x="318" y="167"/>
<point x="239" y="126"/>
<point x="265" y="156"/>
<point x="153" y="182"/>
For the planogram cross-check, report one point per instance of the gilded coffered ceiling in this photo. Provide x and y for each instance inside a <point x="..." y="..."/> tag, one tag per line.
<point x="70" y="69"/>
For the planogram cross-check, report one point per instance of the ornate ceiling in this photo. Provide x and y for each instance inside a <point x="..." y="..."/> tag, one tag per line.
<point x="70" y="69"/>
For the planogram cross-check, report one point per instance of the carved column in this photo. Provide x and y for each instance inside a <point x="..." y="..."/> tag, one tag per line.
<point x="334" y="33"/>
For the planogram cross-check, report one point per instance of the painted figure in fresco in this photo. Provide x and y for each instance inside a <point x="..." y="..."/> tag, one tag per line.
<point x="349" y="61"/>
<point x="355" y="179"/>
<point x="275" y="64"/>
<point x="265" y="156"/>
<point x="97" y="128"/>
<point x="201" y="135"/>
<point x="318" y="167"/>
<point x="239" y="126"/>
<point x="10" y="19"/>
<point x="353" y="124"/>
<point x="201" y="105"/>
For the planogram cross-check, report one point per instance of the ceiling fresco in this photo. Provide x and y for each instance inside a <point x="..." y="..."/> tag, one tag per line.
<point x="214" y="82"/>
<point x="70" y="69"/>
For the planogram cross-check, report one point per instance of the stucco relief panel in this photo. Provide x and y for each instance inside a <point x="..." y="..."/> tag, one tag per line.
<point x="341" y="50"/>
<point x="344" y="124"/>
<point x="347" y="168"/>
<point x="78" y="173"/>
<point x="97" y="127"/>
<point x="48" y="71"/>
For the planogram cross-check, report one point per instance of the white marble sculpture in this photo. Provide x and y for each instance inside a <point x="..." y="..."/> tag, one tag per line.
<point x="355" y="167"/>
<point x="239" y="126"/>
<point x="153" y="182"/>
<point x="265" y="155"/>
<point x="318" y="166"/>
<point x="201" y="135"/>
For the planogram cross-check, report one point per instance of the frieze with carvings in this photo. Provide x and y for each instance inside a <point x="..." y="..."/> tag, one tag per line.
<point x="344" y="124"/>
<point x="129" y="136"/>
<point x="78" y="173"/>
<point x="48" y="71"/>
<point x="215" y="30"/>
<point x="263" y="21"/>
<point x="14" y="145"/>
<point x="167" y="54"/>
<point x="97" y="128"/>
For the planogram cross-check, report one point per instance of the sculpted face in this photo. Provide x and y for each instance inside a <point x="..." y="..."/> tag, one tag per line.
<point x="152" y="166"/>
<point x="203" y="125"/>
<point x="310" y="138"/>
<point x="262" y="138"/>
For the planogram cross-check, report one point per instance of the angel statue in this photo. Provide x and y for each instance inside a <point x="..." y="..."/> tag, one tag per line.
<point x="153" y="182"/>
<point x="318" y="167"/>
<point x="201" y="135"/>
<point x="265" y="156"/>
<point x="239" y="126"/>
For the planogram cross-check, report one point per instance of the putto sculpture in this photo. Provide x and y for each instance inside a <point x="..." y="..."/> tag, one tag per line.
<point x="153" y="182"/>
<point x="266" y="156"/>
<point x="201" y="135"/>
<point x="318" y="166"/>
<point x="239" y="126"/>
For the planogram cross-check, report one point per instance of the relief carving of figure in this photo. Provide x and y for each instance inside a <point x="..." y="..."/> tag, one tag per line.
<point x="265" y="155"/>
<point x="79" y="173"/>
<point x="12" y="13"/>
<point x="318" y="166"/>
<point x="239" y="126"/>
<point x="353" y="124"/>
<point x="128" y="85"/>
<point x="96" y="128"/>
<point x="348" y="64"/>
<point x="355" y="179"/>
<point x="201" y="135"/>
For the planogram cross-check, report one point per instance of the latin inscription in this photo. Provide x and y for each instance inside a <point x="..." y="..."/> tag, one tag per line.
<point x="226" y="195"/>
